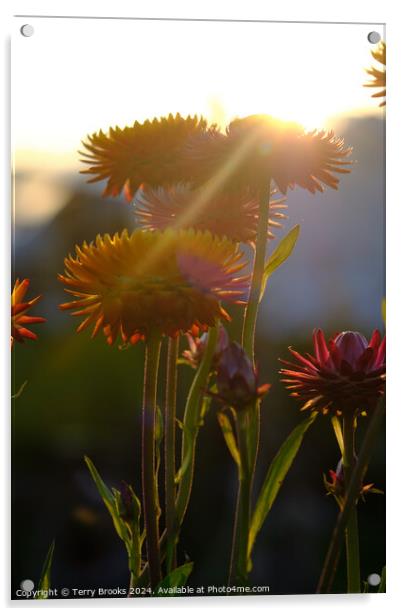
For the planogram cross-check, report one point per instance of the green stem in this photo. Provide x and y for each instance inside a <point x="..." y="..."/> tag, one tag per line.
<point x="351" y="496"/>
<point x="352" y="529"/>
<point x="239" y="558"/>
<point x="191" y="422"/>
<point x="133" y="582"/>
<point x="170" y="451"/>
<point x="251" y="312"/>
<point x="149" y="482"/>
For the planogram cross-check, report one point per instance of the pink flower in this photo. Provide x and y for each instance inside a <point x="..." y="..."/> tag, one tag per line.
<point x="234" y="216"/>
<point x="194" y="353"/>
<point x="344" y="376"/>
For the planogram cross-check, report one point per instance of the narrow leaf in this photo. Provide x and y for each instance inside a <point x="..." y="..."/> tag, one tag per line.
<point x="275" y="477"/>
<point x="338" y="432"/>
<point x="45" y="577"/>
<point x="176" y="578"/>
<point x="228" y="435"/>
<point x="187" y="459"/>
<point x="108" y="498"/>
<point x="279" y="256"/>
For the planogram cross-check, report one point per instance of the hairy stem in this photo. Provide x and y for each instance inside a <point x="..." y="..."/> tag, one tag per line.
<point x="251" y="312"/>
<point x="239" y="557"/>
<point x="352" y="529"/>
<point x="149" y="481"/>
<point x="170" y="450"/>
<point x="351" y="496"/>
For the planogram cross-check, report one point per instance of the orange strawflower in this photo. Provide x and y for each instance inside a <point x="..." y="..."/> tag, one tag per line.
<point x="19" y="316"/>
<point x="379" y="76"/>
<point x="147" y="153"/>
<point x="258" y="148"/>
<point x="234" y="216"/>
<point x="166" y="281"/>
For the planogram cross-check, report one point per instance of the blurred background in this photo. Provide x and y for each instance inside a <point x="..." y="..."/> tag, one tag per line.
<point x="83" y="397"/>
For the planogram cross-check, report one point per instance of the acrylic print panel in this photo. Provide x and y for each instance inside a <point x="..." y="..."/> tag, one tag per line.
<point x="196" y="198"/>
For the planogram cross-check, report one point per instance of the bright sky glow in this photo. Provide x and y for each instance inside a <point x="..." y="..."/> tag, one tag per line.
<point x="73" y="77"/>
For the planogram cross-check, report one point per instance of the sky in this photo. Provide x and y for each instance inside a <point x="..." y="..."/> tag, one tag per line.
<point x="73" y="77"/>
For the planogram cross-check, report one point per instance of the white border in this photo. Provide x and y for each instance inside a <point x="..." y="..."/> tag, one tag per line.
<point x="368" y="11"/>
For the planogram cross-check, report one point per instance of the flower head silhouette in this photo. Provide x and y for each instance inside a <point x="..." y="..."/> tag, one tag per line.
<point x="378" y="76"/>
<point x="168" y="281"/>
<point x="149" y="153"/>
<point x="230" y="215"/>
<point x="258" y="148"/>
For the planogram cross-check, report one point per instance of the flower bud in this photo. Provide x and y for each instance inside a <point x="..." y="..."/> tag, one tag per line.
<point x="237" y="380"/>
<point x="128" y="505"/>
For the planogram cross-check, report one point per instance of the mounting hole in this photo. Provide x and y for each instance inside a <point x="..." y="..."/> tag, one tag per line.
<point x="27" y="30"/>
<point x="374" y="579"/>
<point x="27" y="585"/>
<point x="374" y="37"/>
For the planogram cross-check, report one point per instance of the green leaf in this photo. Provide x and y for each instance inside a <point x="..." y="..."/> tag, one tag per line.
<point x="338" y="432"/>
<point x="228" y="435"/>
<point x="275" y="477"/>
<point x="176" y="578"/>
<point x="279" y="256"/>
<point x="45" y="577"/>
<point x="109" y="500"/>
<point x="187" y="459"/>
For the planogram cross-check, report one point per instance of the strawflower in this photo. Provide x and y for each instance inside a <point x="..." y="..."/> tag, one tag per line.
<point x="379" y="76"/>
<point x="345" y="375"/>
<point x="198" y="344"/>
<point x="234" y="216"/>
<point x="258" y="148"/>
<point x="19" y="310"/>
<point x="148" y="152"/>
<point x="164" y="281"/>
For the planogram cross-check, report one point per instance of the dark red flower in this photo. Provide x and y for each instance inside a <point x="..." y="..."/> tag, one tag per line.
<point x="344" y="376"/>
<point x="237" y="379"/>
